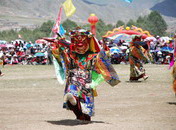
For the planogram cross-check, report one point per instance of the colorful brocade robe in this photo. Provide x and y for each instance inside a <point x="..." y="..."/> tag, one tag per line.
<point x="136" y="58"/>
<point x="83" y="72"/>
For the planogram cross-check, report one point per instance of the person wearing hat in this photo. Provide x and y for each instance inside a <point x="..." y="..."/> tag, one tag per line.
<point x="85" y="65"/>
<point x="136" y="59"/>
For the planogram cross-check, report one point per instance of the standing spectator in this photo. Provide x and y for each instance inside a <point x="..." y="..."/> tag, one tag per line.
<point x="50" y="58"/>
<point x="28" y="45"/>
<point x="1" y="62"/>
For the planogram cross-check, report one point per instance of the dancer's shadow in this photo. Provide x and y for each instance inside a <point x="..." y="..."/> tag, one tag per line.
<point x="70" y="122"/>
<point x="134" y="81"/>
<point x="171" y="103"/>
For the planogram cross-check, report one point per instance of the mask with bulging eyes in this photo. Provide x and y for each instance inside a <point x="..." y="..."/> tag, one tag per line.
<point x="81" y="44"/>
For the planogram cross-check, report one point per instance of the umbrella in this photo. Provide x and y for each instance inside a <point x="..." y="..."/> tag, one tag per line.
<point x="114" y="50"/>
<point x="123" y="47"/>
<point x="10" y="45"/>
<point x="166" y="49"/>
<point x="39" y="54"/>
<point x="115" y="36"/>
<point x="122" y="37"/>
<point x="164" y="39"/>
<point x="150" y="39"/>
<point x="3" y="42"/>
<point x="3" y="45"/>
<point x="41" y="41"/>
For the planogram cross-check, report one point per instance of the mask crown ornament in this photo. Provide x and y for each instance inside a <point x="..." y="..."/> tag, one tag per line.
<point x="80" y="32"/>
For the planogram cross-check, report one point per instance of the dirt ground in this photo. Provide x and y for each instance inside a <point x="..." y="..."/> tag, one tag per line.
<point x="31" y="99"/>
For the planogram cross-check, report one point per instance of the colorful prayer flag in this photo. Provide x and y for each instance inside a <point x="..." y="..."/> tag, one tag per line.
<point x="69" y="8"/>
<point x="129" y="1"/>
<point x="58" y="20"/>
<point x="62" y="31"/>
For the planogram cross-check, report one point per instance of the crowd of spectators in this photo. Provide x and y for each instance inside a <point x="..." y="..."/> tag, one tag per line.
<point x="160" y="49"/>
<point x="28" y="53"/>
<point x="22" y="52"/>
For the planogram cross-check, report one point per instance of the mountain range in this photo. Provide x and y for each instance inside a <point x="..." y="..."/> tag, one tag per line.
<point x="15" y="14"/>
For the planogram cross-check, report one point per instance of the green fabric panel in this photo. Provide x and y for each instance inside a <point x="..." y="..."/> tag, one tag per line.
<point x="96" y="79"/>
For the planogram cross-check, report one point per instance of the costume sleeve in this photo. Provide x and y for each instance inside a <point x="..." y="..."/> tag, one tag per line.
<point x="105" y="68"/>
<point x="148" y="55"/>
<point x="143" y="56"/>
<point x="138" y="53"/>
<point x="59" y="70"/>
<point x="60" y="60"/>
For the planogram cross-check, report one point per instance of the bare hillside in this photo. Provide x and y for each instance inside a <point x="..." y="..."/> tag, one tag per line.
<point x="31" y="13"/>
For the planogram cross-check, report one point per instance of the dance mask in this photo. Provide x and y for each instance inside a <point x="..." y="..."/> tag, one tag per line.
<point x="83" y="41"/>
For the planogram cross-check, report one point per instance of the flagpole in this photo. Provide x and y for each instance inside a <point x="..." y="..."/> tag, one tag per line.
<point x="56" y="20"/>
<point x="56" y="25"/>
